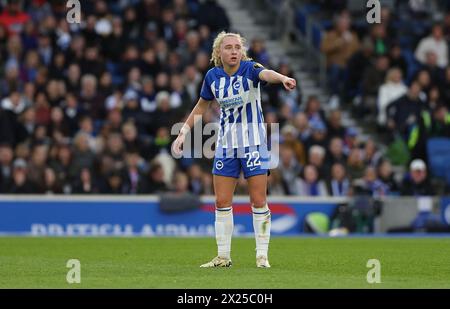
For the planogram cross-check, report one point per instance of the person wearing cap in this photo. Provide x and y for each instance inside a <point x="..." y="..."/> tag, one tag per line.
<point x="416" y="183"/>
<point x="318" y="134"/>
<point x="20" y="184"/>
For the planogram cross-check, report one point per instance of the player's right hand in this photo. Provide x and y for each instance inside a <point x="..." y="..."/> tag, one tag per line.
<point x="177" y="146"/>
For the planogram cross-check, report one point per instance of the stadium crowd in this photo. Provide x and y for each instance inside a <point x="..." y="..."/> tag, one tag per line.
<point x="89" y="108"/>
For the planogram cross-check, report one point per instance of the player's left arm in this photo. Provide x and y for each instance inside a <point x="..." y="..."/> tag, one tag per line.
<point x="273" y="77"/>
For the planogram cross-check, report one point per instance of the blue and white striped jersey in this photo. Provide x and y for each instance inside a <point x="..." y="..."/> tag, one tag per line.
<point x="239" y="97"/>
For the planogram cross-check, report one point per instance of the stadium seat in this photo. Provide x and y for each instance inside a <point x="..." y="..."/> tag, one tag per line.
<point x="447" y="176"/>
<point x="316" y="36"/>
<point x="439" y="156"/>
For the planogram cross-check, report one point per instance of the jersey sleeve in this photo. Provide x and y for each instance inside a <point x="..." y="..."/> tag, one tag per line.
<point x="255" y="69"/>
<point x="206" y="93"/>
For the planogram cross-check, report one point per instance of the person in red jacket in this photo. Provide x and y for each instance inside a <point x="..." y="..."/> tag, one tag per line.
<point x="13" y="18"/>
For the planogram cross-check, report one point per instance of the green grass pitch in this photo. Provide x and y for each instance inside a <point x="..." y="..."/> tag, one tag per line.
<point x="174" y="263"/>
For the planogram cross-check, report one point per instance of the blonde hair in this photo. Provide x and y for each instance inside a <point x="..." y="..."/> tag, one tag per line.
<point x="215" y="56"/>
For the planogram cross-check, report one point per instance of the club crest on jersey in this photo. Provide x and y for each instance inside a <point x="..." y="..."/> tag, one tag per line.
<point x="236" y="85"/>
<point x="219" y="165"/>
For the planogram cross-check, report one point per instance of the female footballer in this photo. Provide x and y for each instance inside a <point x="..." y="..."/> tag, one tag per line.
<point x="234" y="83"/>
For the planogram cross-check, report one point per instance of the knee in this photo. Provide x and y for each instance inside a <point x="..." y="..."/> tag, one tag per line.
<point x="258" y="202"/>
<point x="223" y="202"/>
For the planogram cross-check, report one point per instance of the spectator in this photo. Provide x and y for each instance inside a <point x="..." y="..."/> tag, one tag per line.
<point x="357" y="65"/>
<point x="20" y="183"/>
<point x="397" y="60"/>
<point x="370" y="184"/>
<point x="72" y="79"/>
<point x="339" y="45"/>
<point x="192" y="82"/>
<point x="83" y="157"/>
<point x="390" y="91"/>
<point x="181" y="183"/>
<point x="313" y="110"/>
<point x="131" y="110"/>
<point x="65" y="171"/>
<point x="386" y="176"/>
<point x="155" y="181"/>
<point x="339" y="184"/>
<point x="310" y="184"/>
<point x="316" y="157"/>
<point x="114" y="183"/>
<point x="6" y="166"/>
<point x="275" y="185"/>
<point x="434" y="71"/>
<point x="290" y="98"/>
<point x="373" y="78"/>
<point x="289" y="168"/>
<point x="37" y="166"/>
<point x="301" y="124"/>
<point x="213" y="16"/>
<point x="445" y="87"/>
<point x="440" y="126"/>
<point x="416" y="183"/>
<point x="378" y="36"/>
<point x="115" y="149"/>
<point x="424" y="80"/>
<point x="334" y="124"/>
<point x="51" y="184"/>
<point x="405" y="111"/>
<point x="335" y="152"/>
<point x="72" y="113"/>
<point x="435" y="43"/>
<point x="13" y="18"/>
<point x="318" y="135"/>
<point x="85" y="183"/>
<point x="355" y="163"/>
<point x="132" y="174"/>
<point x="370" y="153"/>
<point x="289" y="135"/>
<point x="258" y="52"/>
<point x="195" y="179"/>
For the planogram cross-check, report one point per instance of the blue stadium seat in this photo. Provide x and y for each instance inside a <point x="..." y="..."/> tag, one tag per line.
<point x="316" y="36"/>
<point x="447" y="175"/>
<point x="439" y="156"/>
<point x="303" y="13"/>
<point x="300" y="21"/>
<point x="413" y="64"/>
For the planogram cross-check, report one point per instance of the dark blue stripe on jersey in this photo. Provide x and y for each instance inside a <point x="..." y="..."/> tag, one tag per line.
<point x="248" y="109"/>
<point x="251" y="133"/>
<point x="239" y="118"/>
<point x="240" y="133"/>
<point x="222" y="124"/>
<point x="258" y="112"/>
<point x="225" y="88"/>
<point x="216" y="87"/>
<point x="231" y="116"/>
<point x="230" y="131"/>
<point x="245" y="83"/>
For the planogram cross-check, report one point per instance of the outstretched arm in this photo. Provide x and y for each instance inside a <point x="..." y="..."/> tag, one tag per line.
<point x="273" y="77"/>
<point x="199" y="109"/>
